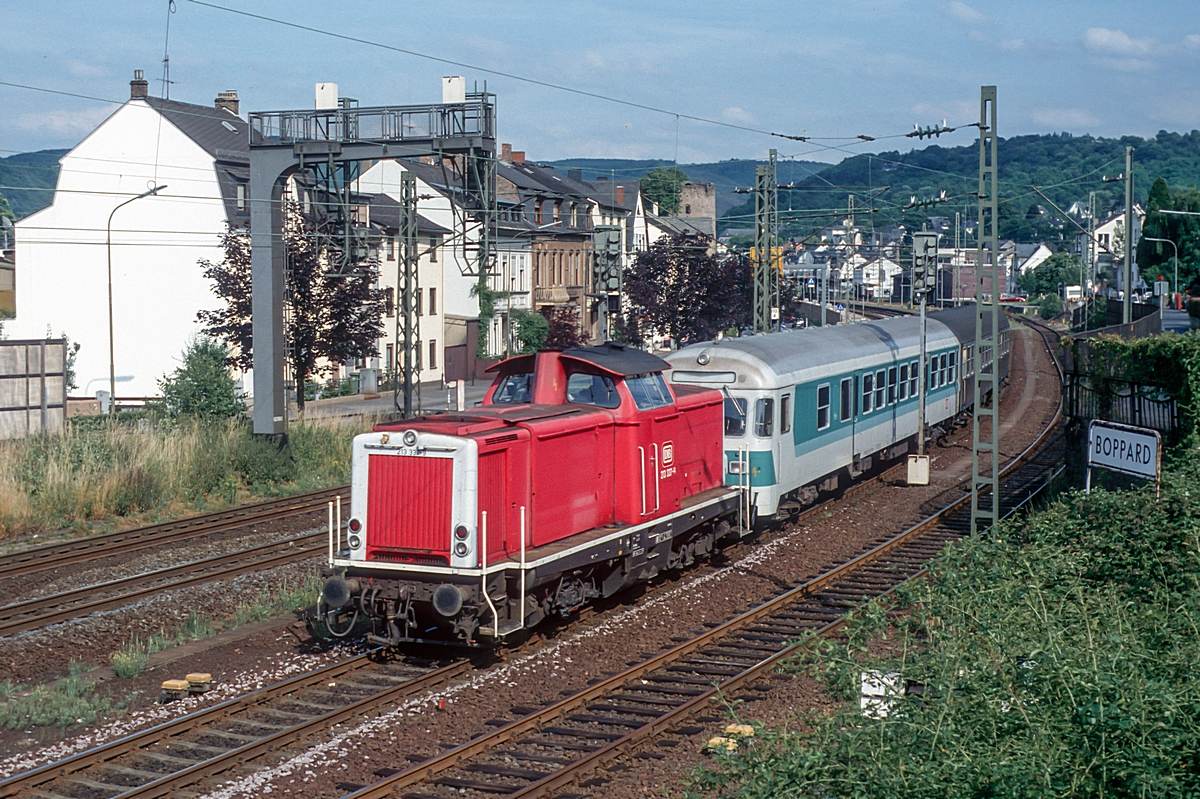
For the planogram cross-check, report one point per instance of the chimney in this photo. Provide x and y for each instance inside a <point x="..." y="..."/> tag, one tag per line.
<point x="506" y="153"/>
<point x="620" y="195"/>
<point x="228" y="100"/>
<point x="575" y="174"/>
<point x="518" y="156"/>
<point x="138" y="87"/>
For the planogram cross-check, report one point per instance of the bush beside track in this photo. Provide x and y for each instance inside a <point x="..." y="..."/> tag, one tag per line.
<point x="1055" y="657"/>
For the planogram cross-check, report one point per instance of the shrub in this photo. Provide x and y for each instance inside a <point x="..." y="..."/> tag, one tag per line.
<point x="202" y="387"/>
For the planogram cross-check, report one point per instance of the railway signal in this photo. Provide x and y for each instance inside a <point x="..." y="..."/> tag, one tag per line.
<point x="924" y="280"/>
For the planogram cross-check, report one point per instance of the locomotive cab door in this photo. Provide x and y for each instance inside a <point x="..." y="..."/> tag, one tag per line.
<point x="658" y="431"/>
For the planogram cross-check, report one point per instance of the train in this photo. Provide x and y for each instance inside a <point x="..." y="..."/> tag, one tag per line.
<point x="586" y="471"/>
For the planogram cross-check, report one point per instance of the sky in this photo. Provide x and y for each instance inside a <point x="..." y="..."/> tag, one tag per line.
<point x="828" y="70"/>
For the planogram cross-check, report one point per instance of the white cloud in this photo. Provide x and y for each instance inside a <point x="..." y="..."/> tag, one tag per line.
<point x="737" y="114"/>
<point x="1064" y="118"/>
<point x="1127" y="64"/>
<point x="64" y="123"/>
<point x="1104" y="41"/>
<point x="1192" y="41"/>
<point x="1012" y="45"/>
<point x="965" y="14"/>
<point x="82" y="69"/>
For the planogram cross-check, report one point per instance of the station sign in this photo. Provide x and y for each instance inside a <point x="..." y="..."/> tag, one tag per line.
<point x="1123" y="448"/>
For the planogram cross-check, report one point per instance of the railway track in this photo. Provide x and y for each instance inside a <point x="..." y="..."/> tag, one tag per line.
<point x="65" y="553"/>
<point x="179" y="753"/>
<point x="32" y="614"/>
<point x="549" y="750"/>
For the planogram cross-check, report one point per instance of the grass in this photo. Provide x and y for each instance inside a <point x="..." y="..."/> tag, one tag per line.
<point x="63" y="703"/>
<point x="106" y="473"/>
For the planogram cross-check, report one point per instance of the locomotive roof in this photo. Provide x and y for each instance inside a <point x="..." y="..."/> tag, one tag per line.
<point x="813" y="353"/>
<point x="611" y="357"/>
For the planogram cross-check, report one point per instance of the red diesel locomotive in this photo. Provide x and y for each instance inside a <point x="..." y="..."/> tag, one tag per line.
<point x="582" y="473"/>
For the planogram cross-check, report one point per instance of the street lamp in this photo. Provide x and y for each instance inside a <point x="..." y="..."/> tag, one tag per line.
<point x="112" y="360"/>
<point x="1175" y="285"/>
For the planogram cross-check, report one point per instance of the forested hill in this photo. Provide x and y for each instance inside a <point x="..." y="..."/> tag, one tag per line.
<point x="1065" y="167"/>
<point x="727" y="175"/>
<point x="27" y="180"/>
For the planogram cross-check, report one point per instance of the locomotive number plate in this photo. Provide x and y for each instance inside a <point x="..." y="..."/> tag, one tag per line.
<point x="409" y="451"/>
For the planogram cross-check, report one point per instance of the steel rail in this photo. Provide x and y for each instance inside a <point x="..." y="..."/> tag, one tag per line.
<point x="105" y="753"/>
<point x="65" y="553"/>
<point x="43" y="611"/>
<point x="537" y="721"/>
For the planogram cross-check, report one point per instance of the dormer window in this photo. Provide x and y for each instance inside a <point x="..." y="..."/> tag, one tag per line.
<point x="241" y="196"/>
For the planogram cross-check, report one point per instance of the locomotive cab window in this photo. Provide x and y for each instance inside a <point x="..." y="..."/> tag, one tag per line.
<point x="513" y="389"/>
<point x="844" y="409"/>
<point x="598" y="390"/>
<point x="785" y="411"/>
<point x="735" y="417"/>
<point x="823" y="406"/>
<point x="764" y="418"/>
<point x="649" y="391"/>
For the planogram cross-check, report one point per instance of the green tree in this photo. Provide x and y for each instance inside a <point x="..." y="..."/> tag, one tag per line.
<point x="6" y="212"/>
<point x="662" y="186"/>
<point x="202" y="387"/>
<point x="1045" y="277"/>
<point x="529" y="329"/>
<point x="1154" y="257"/>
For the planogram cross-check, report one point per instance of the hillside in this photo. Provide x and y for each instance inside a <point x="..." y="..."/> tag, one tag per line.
<point x="1065" y="167"/>
<point x="33" y="175"/>
<point x="727" y="175"/>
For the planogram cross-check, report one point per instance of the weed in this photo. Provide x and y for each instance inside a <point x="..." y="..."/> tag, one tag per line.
<point x="63" y="703"/>
<point x="131" y="661"/>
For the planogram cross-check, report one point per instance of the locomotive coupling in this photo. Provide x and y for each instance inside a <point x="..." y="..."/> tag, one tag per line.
<point x="338" y="591"/>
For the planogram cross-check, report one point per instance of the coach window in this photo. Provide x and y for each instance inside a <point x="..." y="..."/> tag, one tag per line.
<point x="844" y="409"/>
<point x="735" y="417"/>
<point x="764" y="417"/>
<point x="891" y="385"/>
<point x="942" y="370"/>
<point x="913" y="376"/>
<point x="598" y="390"/>
<point x="868" y="389"/>
<point x="823" y="407"/>
<point x="950" y="373"/>
<point x="785" y="411"/>
<point x="933" y="374"/>
<point x="903" y="382"/>
<point x="513" y="389"/>
<point x="880" y="387"/>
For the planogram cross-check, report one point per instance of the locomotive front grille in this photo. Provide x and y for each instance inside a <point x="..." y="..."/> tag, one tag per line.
<point x="411" y="507"/>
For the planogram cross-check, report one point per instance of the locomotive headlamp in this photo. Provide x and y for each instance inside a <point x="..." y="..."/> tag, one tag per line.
<point x="354" y="541"/>
<point x="461" y="532"/>
<point x="737" y="467"/>
<point x="410" y="438"/>
<point x="355" y="525"/>
<point x="460" y="549"/>
<point x="702" y="358"/>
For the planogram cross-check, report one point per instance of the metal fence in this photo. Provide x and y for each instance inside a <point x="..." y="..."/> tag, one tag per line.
<point x="33" y="396"/>
<point x="1088" y="397"/>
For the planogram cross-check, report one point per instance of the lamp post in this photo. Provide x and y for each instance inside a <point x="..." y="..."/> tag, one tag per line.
<point x="112" y="360"/>
<point x="1175" y="285"/>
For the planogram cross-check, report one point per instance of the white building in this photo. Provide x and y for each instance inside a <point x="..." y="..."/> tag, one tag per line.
<point x="198" y="155"/>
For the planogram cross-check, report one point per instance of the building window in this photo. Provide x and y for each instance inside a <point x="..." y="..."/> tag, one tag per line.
<point x="391" y="248"/>
<point x="390" y="354"/>
<point x="434" y="243"/>
<point x="241" y="196"/>
<point x="687" y="209"/>
<point x="432" y="354"/>
<point x="785" y="412"/>
<point x="432" y="301"/>
<point x="823" y="406"/>
<point x="420" y="307"/>
<point x="844" y="409"/>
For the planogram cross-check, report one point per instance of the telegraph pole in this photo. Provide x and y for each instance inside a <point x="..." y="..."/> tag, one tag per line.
<point x="985" y="443"/>
<point x="766" y="224"/>
<point x="1127" y="272"/>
